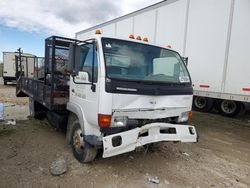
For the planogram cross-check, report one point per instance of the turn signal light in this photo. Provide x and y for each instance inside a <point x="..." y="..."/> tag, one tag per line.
<point x="145" y="39"/>
<point x="131" y="36"/>
<point x="98" y="32"/>
<point x="104" y="121"/>
<point x="190" y="115"/>
<point x="138" y="37"/>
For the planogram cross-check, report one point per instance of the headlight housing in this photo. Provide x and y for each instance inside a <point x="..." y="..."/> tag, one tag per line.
<point x="183" y="117"/>
<point x="119" y="121"/>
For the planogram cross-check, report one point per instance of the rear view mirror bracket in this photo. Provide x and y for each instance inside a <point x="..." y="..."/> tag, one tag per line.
<point x="185" y="60"/>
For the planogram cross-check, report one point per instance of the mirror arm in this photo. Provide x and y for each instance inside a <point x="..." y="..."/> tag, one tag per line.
<point x="185" y="59"/>
<point x="93" y="86"/>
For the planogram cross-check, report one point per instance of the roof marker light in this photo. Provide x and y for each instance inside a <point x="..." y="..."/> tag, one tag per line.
<point x="98" y="32"/>
<point x="131" y="36"/>
<point x="168" y="46"/>
<point x="138" y="37"/>
<point x="145" y="39"/>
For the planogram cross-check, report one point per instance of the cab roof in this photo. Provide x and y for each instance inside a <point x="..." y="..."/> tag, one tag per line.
<point x="99" y="36"/>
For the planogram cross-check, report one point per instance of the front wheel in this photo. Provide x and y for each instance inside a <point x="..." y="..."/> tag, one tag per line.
<point x="82" y="150"/>
<point x="230" y="108"/>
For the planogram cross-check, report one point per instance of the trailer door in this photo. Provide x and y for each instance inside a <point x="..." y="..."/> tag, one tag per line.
<point x="9" y="67"/>
<point x="238" y="76"/>
<point x="206" y="42"/>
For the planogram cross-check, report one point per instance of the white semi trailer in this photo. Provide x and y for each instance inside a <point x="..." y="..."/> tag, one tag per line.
<point x="214" y="35"/>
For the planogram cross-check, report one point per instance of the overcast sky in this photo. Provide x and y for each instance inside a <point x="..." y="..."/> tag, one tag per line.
<point x="63" y="17"/>
<point x="26" y="23"/>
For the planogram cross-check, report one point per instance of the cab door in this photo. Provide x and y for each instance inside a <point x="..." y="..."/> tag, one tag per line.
<point x="84" y="88"/>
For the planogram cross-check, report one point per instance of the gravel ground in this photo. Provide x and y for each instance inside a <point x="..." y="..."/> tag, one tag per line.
<point x="220" y="159"/>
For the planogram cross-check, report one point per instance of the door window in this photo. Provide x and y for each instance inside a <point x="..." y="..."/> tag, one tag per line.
<point x="86" y="59"/>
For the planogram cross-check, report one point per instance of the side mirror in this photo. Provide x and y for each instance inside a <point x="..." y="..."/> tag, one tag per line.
<point x="74" y="59"/>
<point x="82" y="77"/>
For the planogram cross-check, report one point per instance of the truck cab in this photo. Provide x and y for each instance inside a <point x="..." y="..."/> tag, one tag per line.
<point x="125" y="93"/>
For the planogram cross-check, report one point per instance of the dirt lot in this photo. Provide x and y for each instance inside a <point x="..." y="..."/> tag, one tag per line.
<point x="220" y="159"/>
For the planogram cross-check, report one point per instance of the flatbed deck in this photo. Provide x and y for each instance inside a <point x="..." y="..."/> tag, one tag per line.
<point x="48" y="83"/>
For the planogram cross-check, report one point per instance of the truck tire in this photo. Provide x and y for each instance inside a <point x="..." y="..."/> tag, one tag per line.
<point x="82" y="150"/>
<point x="5" y="82"/>
<point x="230" y="108"/>
<point x="202" y="104"/>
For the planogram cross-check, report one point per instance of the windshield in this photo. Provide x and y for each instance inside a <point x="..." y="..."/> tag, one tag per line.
<point x="135" y="61"/>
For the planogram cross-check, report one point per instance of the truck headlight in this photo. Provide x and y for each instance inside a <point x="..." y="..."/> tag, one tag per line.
<point x="119" y="121"/>
<point x="183" y="117"/>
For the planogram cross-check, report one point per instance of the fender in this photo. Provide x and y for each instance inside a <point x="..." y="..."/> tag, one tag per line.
<point x="74" y="108"/>
<point x="91" y="139"/>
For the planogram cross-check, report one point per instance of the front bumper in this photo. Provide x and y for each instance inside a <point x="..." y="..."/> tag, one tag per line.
<point x="155" y="132"/>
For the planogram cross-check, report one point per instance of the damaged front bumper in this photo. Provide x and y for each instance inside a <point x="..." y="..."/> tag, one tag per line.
<point x="154" y="132"/>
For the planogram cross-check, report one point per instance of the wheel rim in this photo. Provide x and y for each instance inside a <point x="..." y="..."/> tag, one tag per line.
<point x="228" y="107"/>
<point x="200" y="102"/>
<point x="78" y="142"/>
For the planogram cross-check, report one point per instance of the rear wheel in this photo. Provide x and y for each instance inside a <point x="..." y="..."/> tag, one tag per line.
<point x="230" y="108"/>
<point x="202" y="104"/>
<point x="82" y="150"/>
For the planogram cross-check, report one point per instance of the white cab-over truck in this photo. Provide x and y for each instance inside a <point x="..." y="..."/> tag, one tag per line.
<point x="115" y="94"/>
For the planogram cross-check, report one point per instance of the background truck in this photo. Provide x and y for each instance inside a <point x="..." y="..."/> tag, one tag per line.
<point x="109" y="93"/>
<point x="9" y="66"/>
<point x="213" y="34"/>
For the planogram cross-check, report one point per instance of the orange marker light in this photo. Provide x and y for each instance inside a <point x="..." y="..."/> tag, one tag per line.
<point x="98" y="32"/>
<point x="131" y="36"/>
<point x="104" y="121"/>
<point x="145" y="39"/>
<point x="190" y="115"/>
<point x="168" y="46"/>
<point x="138" y="37"/>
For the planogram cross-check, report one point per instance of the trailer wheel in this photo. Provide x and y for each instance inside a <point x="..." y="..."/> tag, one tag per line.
<point x="230" y="108"/>
<point x="203" y="104"/>
<point x="82" y="150"/>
